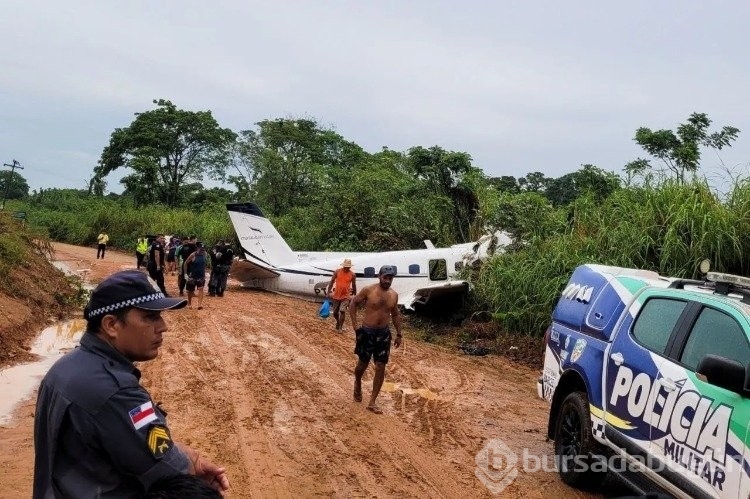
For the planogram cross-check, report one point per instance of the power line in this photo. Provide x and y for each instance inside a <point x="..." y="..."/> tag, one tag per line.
<point x="13" y="167"/>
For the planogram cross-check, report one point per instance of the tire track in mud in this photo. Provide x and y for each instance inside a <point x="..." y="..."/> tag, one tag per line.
<point x="261" y="385"/>
<point x="257" y="453"/>
<point x="431" y="468"/>
<point x="276" y="367"/>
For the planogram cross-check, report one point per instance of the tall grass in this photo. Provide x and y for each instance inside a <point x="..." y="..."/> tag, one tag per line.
<point x="79" y="221"/>
<point x="669" y="229"/>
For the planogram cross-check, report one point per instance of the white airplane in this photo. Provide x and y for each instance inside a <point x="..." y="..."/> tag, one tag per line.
<point x="266" y="261"/>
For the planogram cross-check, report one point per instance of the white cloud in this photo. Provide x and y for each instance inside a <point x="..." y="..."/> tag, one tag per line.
<point x="522" y="87"/>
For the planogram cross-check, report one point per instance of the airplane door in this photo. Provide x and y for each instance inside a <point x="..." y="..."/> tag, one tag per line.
<point x="632" y="368"/>
<point x="438" y="269"/>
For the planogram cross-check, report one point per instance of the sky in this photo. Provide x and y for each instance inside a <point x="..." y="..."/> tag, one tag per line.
<point x="521" y="86"/>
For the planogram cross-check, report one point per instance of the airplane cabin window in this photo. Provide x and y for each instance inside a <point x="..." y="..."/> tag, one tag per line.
<point x="414" y="268"/>
<point x="369" y="272"/>
<point x="438" y="270"/>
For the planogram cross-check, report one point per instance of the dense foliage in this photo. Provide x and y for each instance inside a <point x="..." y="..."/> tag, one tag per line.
<point x="165" y="148"/>
<point x="324" y="192"/>
<point x="13" y="185"/>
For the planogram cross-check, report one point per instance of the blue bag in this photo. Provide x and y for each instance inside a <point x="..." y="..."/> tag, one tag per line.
<point x="325" y="309"/>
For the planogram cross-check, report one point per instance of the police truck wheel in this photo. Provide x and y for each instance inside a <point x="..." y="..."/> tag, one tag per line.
<point x="574" y="443"/>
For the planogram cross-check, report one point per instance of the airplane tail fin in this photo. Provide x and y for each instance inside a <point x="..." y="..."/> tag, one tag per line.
<point x="260" y="242"/>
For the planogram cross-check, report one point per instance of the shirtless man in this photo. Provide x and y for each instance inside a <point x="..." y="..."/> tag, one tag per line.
<point x="374" y="337"/>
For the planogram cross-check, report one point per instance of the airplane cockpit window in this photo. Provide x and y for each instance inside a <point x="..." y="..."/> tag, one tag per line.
<point x="369" y="271"/>
<point x="414" y="268"/>
<point x="438" y="270"/>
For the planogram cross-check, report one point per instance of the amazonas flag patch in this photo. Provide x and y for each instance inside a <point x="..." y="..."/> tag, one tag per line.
<point x="142" y="415"/>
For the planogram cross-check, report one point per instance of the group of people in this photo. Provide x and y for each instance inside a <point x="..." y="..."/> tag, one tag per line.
<point x="188" y="258"/>
<point x="98" y="432"/>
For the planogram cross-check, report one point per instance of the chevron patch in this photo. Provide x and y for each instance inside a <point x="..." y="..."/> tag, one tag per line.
<point x="159" y="441"/>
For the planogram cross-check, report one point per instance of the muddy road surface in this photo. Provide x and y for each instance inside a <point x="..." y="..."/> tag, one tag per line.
<point x="263" y="386"/>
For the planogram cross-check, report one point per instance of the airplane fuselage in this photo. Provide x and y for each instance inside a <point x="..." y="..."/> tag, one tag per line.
<point x="269" y="263"/>
<point x="416" y="269"/>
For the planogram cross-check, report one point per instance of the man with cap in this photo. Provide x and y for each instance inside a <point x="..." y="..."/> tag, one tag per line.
<point x="374" y="336"/>
<point x="97" y="432"/>
<point x="344" y="284"/>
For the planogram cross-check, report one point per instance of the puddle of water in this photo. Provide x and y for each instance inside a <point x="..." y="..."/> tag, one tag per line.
<point x="425" y="393"/>
<point x="17" y="383"/>
<point x="82" y="273"/>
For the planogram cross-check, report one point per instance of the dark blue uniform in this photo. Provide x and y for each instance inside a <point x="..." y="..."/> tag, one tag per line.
<point x="221" y="261"/>
<point x="97" y="432"/>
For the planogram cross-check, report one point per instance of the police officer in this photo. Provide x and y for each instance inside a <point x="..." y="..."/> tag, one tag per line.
<point x="221" y="261"/>
<point x="97" y="432"/>
<point x="156" y="262"/>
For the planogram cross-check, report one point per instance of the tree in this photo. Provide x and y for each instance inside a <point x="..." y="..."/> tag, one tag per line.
<point x="166" y="147"/>
<point x="506" y="183"/>
<point x="13" y="185"/>
<point x="589" y="178"/>
<point x="680" y="152"/>
<point x="533" y="182"/>
<point x="446" y="173"/>
<point x="289" y="162"/>
<point x="526" y="217"/>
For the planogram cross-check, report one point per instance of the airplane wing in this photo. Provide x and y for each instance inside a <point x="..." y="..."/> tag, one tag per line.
<point x="244" y="271"/>
<point x="422" y="295"/>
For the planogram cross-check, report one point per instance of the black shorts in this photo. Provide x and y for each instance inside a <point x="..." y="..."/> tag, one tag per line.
<point x="373" y="342"/>
<point x="192" y="283"/>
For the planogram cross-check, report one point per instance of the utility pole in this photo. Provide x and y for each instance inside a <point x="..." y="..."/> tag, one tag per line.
<point x="13" y="167"/>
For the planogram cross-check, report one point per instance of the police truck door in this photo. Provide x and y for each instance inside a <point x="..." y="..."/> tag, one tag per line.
<point x="702" y="428"/>
<point x="632" y="368"/>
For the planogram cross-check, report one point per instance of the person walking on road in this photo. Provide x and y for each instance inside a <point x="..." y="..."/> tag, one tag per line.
<point x="195" y="275"/>
<point x="97" y="431"/>
<point x="156" y="262"/>
<point x="102" y="239"/>
<point x="344" y="285"/>
<point x="141" y="247"/>
<point x="182" y="254"/>
<point x="374" y="336"/>
<point x="224" y="255"/>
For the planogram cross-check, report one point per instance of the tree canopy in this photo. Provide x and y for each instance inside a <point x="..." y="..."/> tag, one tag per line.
<point x="13" y="185"/>
<point x="165" y="148"/>
<point x="679" y="151"/>
<point x="589" y="179"/>
<point x="287" y="162"/>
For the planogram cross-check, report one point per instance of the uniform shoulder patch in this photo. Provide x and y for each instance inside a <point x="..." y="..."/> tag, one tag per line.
<point x="159" y="441"/>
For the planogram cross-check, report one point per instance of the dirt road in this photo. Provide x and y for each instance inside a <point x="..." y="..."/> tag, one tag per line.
<point x="262" y="385"/>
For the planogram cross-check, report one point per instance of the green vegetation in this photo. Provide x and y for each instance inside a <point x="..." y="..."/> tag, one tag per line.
<point x="324" y="192"/>
<point x="77" y="217"/>
<point x="165" y="148"/>
<point x="23" y="251"/>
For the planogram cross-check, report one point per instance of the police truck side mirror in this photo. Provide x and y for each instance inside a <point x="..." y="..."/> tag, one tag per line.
<point x="723" y="372"/>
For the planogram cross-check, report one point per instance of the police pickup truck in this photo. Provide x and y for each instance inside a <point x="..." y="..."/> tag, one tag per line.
<point x="648" y="376"/>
